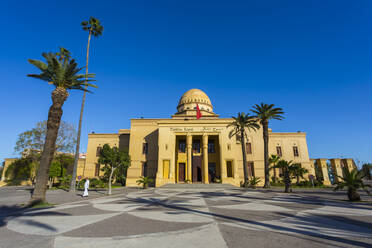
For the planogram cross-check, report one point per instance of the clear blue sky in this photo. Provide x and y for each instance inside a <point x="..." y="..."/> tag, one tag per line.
<point x="312" y="58"/>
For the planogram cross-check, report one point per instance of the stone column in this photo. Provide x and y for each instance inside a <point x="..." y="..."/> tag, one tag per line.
<point x="349" y="163"/>
<point x="189" y="157"/>
<point x="172" y="164"/>
<point x="205" y="159"/>
<point x="222" y="161"/>
<point x="322" y="163"/>
<point x="337" y="170"/>
<point x="312" y="166"/>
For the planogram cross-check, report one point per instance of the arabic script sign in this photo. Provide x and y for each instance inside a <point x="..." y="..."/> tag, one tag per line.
<point x="196" y="129"/>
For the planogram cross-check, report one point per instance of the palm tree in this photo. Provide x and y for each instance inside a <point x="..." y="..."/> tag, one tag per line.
<point x="240" y="124"/>
<point x="144" y="181"/>
<point x="353" y="180"/>
<point x="273" y="160"/>
<point x="62" y="72"/>
<point x="93" y="26"/>
<point x="299" y="172"/>
<point x="265" y="112"/>
<point x="287" y="168"/>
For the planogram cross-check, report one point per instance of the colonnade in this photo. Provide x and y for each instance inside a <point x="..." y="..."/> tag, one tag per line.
<point x="336" y="166"/>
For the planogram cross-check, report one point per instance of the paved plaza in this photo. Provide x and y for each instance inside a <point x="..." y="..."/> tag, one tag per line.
<point x="194" y="217"/>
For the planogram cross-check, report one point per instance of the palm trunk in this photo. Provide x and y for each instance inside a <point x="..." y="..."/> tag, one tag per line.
<point x="298" y="179"/>
<point x="287" y="181"/>
<point x="266" y="153"/>
<point x="242" y="141"/>
<point x="59" y="96"/>
<point x="77" y="150"/>
<point x="274" y="170"/>
<point x="353" y="194"/>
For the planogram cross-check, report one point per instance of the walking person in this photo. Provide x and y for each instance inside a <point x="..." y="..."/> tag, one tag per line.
<point x="86" y="187"/>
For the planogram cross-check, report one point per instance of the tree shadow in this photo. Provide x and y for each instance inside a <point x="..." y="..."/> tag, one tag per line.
<point x="309" y="223"/>
<point x="12" y="212"/>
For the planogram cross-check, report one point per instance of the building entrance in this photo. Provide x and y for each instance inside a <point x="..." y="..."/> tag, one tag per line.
<point x="181" y="172"/>
<point x="212" y="172"/>
<point x="196" y="169"/>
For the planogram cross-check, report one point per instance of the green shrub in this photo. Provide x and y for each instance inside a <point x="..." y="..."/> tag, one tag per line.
<point x="253" y="182"/>
<point x="144" y="181"/>
<point x="65" y="181"/>
<point x="93" y="183"/>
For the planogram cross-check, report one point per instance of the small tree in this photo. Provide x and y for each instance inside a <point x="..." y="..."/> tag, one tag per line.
<point x="298" y="172"/>
<point x="144" y="181"/>
<point x="254" y="181"/>
<point x="288" y="170"/>
<point x="353" y="180"/>
<point x="112" y="158"/>
<point x="273" y="160"/>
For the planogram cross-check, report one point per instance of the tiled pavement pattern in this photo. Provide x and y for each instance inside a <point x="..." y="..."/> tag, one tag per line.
<point x="194" y="217"/>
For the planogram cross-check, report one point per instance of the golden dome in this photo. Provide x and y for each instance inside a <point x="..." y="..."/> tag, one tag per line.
<point x="192" y="97"/>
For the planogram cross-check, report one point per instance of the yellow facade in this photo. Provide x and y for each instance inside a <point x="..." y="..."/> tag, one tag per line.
<point x="155" y="150"/>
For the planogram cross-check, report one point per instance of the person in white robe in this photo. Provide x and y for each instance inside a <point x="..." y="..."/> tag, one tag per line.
<point x="86" y="187"/>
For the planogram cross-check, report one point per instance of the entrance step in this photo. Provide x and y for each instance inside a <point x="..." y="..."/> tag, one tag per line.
<point x="198" y="186"/>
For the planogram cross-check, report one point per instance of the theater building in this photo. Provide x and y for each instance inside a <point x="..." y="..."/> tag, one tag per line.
<point x="184" y="149"/>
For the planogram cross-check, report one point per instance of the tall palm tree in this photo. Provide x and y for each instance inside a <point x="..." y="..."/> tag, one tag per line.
<point x="94" y="27"/>
<point x="243" y="122"/>
<point x="266" y="112"/>
<point x="273" y="160"/>
<point x="62" y="72"/>
<point x="353" y="180"/>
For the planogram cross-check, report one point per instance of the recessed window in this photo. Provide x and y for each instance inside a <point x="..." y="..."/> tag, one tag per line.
<point x="251" y="169"/>
<point x="196" y="146"/>
<point x="98" y="152"/>
<point x="295" y="151"/>
<point x="238" y="137"/>
<point x="211" y="147"/>
<point x="279" y="151"/>
<point x="248" y="147"/>
<point x="229" y="169"/>
<point x="182" y="146"/>
<point x="96" y="172"/>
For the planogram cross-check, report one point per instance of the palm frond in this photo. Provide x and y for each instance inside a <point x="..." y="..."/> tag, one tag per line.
<point x="62" y="71"/>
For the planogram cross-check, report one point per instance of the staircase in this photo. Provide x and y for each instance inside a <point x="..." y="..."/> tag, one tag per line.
<point x="198" y="186"/>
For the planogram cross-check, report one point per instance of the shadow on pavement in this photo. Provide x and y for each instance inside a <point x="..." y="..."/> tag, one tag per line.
<point x="11" y="212"/>
<point x="311" y="224"/>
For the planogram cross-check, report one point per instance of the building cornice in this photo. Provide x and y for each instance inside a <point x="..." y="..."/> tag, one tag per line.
<point x="103" y="135"/>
